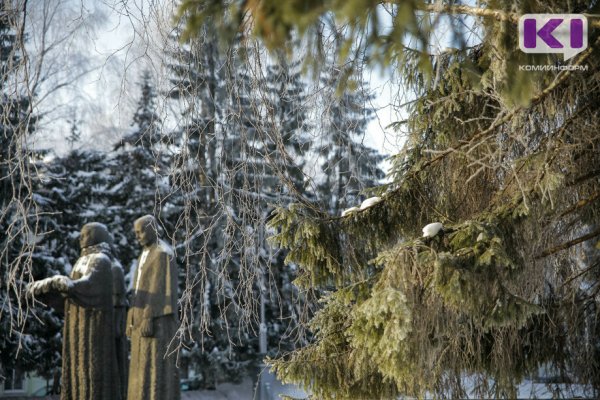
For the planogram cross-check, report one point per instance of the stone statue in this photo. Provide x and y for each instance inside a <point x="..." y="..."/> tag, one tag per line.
<point x="152" y="318"/>
<point x="88" y="355"/>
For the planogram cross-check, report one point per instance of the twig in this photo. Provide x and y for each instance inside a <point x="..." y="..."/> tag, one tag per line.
<point x="568" y="244"/>
<point x="581" y="203"/>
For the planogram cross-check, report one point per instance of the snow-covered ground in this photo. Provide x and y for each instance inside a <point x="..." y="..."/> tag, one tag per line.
<point x="272" y="389"/>
<point x="247" y="391"/>
<point x="226" y="391"/>
<point x="532" y="390"/>
<point x="269" y="388"/>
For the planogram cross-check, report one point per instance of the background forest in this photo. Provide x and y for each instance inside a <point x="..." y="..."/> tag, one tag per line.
<point x="254" y="183"/>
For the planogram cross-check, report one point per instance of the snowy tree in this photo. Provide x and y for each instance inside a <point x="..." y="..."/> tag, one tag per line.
<point x="287" y="122"/>
<point x="146" y="129"/>
<point x="287" y="140"/>
<point x="200" y="216"/>
<point x="232" y="165"/>
<point x="268" y="132"/>
<point x="348" y="165"/>
<point x="195" y="83"/>
<point x="137" y="173"/>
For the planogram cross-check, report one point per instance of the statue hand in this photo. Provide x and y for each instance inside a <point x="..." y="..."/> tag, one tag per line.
<point x="30" y="290"/>
<point x="37" y="288"/>
<point x="61" y="283"/>
<point x="147" y="327"/>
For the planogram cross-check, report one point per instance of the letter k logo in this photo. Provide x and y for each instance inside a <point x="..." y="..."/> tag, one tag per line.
<point x="545" y="33"/>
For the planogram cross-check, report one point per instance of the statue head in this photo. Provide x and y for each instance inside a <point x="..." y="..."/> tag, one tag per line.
<point x="94" y="233"/>
<point x="146" y="230"/>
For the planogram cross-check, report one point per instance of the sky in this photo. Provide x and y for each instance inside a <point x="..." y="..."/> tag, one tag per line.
<point x="93" y="55"/>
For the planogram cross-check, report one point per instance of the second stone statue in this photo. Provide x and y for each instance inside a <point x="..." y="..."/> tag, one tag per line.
<point x="152" y="319"/>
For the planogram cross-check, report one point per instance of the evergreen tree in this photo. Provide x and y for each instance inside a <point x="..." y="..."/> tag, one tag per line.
<point x="196" y="85"/>
<point x="137" y="174"/>
<point x="199" y="214"/>
<point x="146" y="131"/>
<point x="231" y="167"/>
<point x="246" y="179"/>
<point x="287" y="123"/>
<point x="12" y="107"/>
<point x="348" y="165"/>
<point x="507" y="289"/>
<point x="267" y="140"/>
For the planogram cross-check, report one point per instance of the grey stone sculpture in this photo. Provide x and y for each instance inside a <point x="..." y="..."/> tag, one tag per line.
<point x="88" y="355"/>
<point x="152" y="319"/>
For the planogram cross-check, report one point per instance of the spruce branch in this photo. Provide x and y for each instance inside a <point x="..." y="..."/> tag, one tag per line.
<point x="508" y="115"/>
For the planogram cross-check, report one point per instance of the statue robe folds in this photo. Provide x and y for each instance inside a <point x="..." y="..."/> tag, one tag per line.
<point x="153" y="373"/>
<point x="88" y="337"/>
